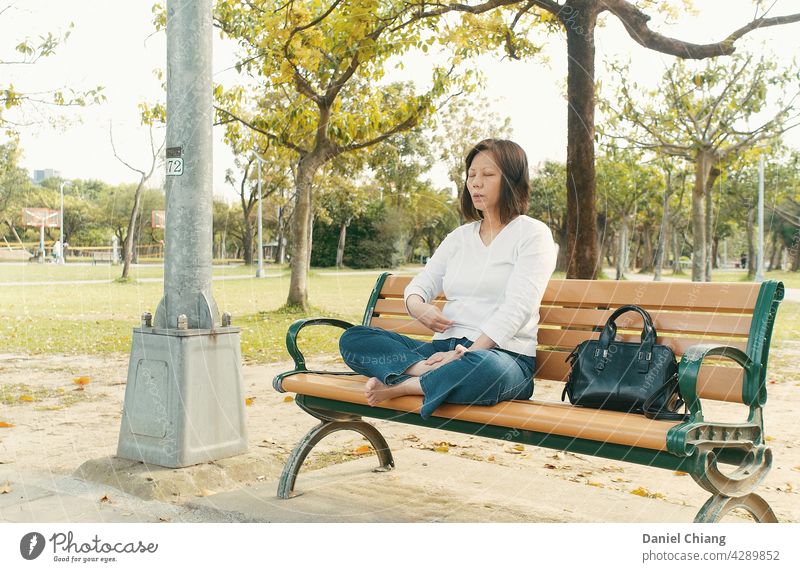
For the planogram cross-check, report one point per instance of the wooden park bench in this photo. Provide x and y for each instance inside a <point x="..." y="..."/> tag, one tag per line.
<point x="102" y="256"/>
<point x="720" y="333"/>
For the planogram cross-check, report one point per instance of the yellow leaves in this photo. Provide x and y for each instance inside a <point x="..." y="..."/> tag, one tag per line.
<point x="26" y="398"/>
<point x="288" y="399"/>
<point x="515" y="449"/>
<point x="362" y="450"/>
<point x="5" y="424"/>
<point x="82" y="380"/>
<point x="442" y="447"/>
<point x="680" y="474"/>
<point x="643" y="492"/>
<point x="490" y="458"/>
<point x="249" y="401"/>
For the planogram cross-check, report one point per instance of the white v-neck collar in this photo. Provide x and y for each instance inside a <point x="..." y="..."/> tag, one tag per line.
<point x="478" y="232"/>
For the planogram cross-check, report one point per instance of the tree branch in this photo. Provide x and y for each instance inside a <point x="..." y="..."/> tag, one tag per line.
<point x="114" y="149"/>
<point x="636" y="23"/>
<point x="272" y="136"/>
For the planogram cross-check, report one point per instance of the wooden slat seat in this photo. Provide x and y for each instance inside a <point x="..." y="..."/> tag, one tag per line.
<point x="540" y="416"/>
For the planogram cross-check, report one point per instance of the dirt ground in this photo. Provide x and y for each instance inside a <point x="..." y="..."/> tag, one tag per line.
<point x="59" y="412"/>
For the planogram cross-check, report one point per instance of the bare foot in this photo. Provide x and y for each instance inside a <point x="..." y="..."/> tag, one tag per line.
<point x="376" y="392"/>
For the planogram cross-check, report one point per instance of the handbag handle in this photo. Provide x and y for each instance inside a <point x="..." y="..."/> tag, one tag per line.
<point x="610" y="329"/>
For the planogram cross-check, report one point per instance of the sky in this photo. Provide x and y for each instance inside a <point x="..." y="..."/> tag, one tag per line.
<point x="114" y="44"/>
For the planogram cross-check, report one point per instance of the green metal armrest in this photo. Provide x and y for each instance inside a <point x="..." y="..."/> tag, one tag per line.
<point x="689" y="369"/>
<point x="298" y="357"/>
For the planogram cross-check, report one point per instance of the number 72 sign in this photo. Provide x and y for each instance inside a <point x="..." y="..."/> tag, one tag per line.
<point x="175" y="167"/>
<point x="174" y="161"/>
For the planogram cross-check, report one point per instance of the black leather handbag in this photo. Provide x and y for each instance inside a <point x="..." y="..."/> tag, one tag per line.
<point x="625" y="376"/>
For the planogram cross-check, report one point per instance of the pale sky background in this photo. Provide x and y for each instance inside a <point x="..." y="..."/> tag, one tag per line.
<point x="113" y="45"/>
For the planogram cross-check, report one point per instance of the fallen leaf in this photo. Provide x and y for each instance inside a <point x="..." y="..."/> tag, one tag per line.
<point x="4" y="424"/>
<point x="26" y="398"/>
<point x="769" y="438"/>
<point x="490" y="458"/>
<point x="249" y="401"/>
<point x="595" y="484"/>
<point x="288" y="399"/>
<point x="82" y="380"/>
<point x="163" y="519"/>
<point x="104" y="498"/>
<point x="643" y="492"/>
<point x="549" y="466"/>
<point x="362" y="450"/>
<point x="5" y="489"/>
<point x="442" y="448"/>
<point x="680" y="474"/>
<point x="797" y="468"/>
<point x="518" y="447"/>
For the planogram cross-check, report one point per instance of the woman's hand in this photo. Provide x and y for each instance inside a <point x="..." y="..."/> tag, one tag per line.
<point x="440" y="358"/>
<point x="429" y="315"/>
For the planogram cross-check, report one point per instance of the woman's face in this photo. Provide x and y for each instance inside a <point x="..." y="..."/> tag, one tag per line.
<point x="483" y="182"/>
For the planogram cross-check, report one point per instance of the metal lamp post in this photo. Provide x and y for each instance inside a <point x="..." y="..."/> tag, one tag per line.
<point x="760" y="214"/>
<point x="62" y="257"/>
<point x="184" y="400"/>
<point x="260" y="271"/>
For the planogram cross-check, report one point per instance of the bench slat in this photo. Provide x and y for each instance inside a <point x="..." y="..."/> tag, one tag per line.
<point x="681" y="296"/>
<point x="718" y="382"/>
<point x="673" y="322"/>
<point x="570" y="338"/>
<point x="707" y="324"/>
<point x="541" y="416"/>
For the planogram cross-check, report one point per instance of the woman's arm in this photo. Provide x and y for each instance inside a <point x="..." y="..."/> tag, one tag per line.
<point x="428" y="283"/>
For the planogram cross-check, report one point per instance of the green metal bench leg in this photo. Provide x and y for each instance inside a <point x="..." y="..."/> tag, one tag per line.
<point x="718" y="506"/>
<point x="304" y="447"/>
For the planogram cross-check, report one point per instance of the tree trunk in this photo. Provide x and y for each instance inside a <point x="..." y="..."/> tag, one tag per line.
<point x="298" y="284"/>
<point x="658" y="261"/>
<point x="247" y="241"/>
<point x="281" y="248"/>
<point x="709" y="214"/>
<point x="579" y="18"/>
<point x="340" y="246"/>
<point x="14" y="230"/>
<point x="775" y="259"/>
<point x="622" y="249"/>
<point x="703" y="164"/>
<point x="561" y="261"/>
<point x="127" y="245"/>
<point x="751" y="248"/>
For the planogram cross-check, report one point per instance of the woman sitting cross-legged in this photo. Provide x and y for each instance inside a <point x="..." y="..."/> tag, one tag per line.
<point x="493" y="272"/>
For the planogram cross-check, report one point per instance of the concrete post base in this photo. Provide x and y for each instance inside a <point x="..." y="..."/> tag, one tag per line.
<point x="184" y="401"/>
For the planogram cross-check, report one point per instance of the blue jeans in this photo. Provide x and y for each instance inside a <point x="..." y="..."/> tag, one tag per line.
<point x="480" y="377"/>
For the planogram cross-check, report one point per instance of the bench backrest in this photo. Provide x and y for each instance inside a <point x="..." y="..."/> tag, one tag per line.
<point x="684" y="314"/>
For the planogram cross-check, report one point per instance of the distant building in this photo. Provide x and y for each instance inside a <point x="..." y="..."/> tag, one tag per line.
<point x="39" y="175"/>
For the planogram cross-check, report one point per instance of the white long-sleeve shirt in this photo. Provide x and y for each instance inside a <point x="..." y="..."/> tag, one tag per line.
<point x="495" y="290"/>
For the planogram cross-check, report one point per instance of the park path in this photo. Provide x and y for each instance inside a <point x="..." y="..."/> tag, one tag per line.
<point x="792" y="294"/>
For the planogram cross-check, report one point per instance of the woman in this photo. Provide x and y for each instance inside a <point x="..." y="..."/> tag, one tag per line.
<point x="493" y="272"/>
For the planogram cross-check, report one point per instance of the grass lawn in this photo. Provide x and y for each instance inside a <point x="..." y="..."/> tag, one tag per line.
<point x="98" y="318"/>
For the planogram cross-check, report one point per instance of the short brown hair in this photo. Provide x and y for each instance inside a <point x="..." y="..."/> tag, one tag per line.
<point x="515" y="188"/>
